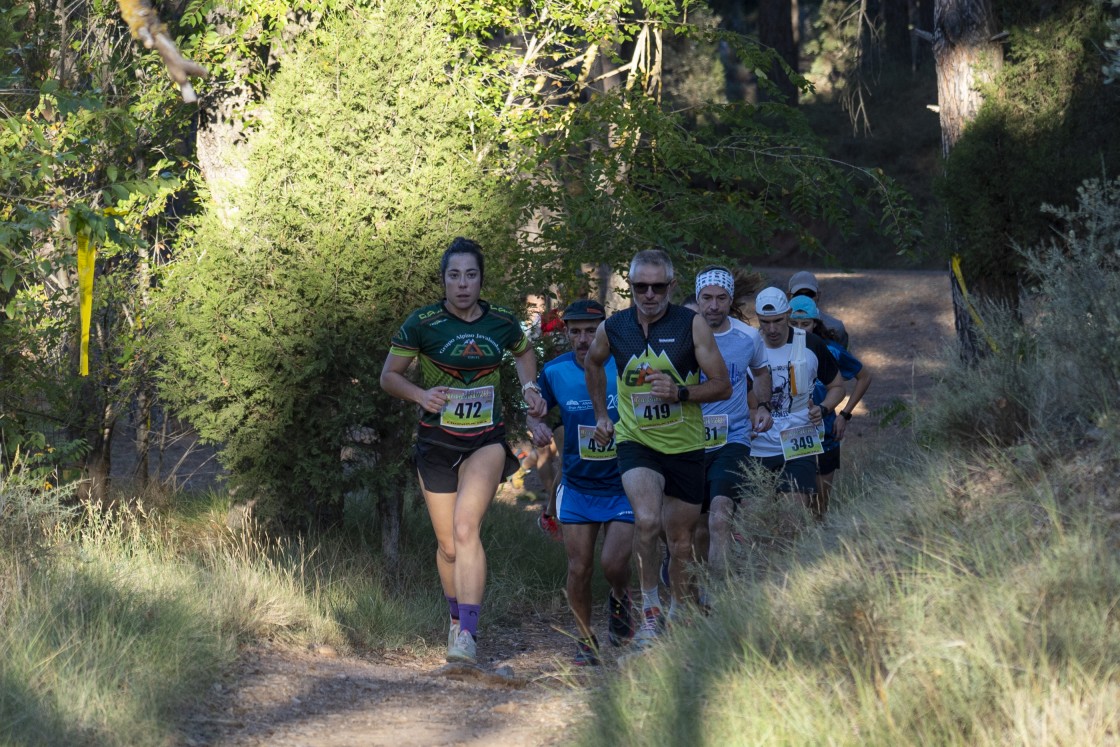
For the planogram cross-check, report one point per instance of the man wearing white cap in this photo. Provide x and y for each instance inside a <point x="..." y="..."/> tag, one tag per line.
<point x="796" y="359"/>
<point x="805" y="283"/>
<point x="728" y="423"/>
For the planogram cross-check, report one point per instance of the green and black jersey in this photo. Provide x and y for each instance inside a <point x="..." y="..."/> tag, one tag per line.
<point x="667" y="427"/>
<point x="465" y="356"/>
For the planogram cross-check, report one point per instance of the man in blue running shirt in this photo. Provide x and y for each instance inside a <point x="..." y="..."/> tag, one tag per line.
<point x="591" y="493"/>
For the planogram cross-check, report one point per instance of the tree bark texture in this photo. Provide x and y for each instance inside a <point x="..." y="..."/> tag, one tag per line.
<point x="966" y="57"/>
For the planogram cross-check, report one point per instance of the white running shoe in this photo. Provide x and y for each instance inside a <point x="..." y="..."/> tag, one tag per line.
<point x="463" y="648"/>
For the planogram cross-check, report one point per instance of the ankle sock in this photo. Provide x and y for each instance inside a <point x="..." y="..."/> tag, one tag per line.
<point x="468" y="619"/>
<point x="651" y="598"/>
<point x="453" y="607"/>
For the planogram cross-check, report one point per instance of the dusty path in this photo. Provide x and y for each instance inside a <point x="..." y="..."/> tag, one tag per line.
<point x="283" y="698"/>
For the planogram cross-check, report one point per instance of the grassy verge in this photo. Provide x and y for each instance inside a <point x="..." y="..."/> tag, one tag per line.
<point x="112" y="622"/>
<point x="966" y="586"/>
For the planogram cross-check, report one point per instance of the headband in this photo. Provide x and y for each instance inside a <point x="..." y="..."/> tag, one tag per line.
<point x="716" y="276"/>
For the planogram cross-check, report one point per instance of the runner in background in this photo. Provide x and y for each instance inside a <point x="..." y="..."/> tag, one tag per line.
<point x="805" y="315"/>
<point x="795" y="358"/>
<point x="805" y="283"/>
<point x="590" y="496"/>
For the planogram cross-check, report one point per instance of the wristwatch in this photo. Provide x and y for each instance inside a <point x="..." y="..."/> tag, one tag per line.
<point x="530" y="385"/>
<point x="846" y="415"/>
<point x="825" y="411"/>
<point x="682" y="394"/>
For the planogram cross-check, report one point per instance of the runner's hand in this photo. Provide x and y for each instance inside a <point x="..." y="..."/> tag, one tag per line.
<point x="540" y="434"/>
<point x="434" y="399"/>
<point x="838" y="427"/>
<point x="762" y="420"/>
<point x="815" y="414"/>
<point x="604" y="431"/>
<point x="537" y="406"/>
<point x="662" y="385"/>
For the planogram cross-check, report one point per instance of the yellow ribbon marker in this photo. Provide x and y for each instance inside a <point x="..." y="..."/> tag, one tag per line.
<point x="86" y="254"/>
<point x="956" y="265"/>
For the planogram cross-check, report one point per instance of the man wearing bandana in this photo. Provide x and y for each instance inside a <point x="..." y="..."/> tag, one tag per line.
<point x="728" y="424"/>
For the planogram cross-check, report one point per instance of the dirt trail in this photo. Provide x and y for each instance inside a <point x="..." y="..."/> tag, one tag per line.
<point x="283" y="698"/>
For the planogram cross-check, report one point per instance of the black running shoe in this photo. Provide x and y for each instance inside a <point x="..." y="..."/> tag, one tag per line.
<point x="620" y="629"/>
<point x="587" y="652"/>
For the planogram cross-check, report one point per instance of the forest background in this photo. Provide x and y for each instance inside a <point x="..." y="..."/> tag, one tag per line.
<point x="254" y="251"/>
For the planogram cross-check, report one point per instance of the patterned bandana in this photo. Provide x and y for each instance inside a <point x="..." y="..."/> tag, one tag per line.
<point x="716" y="276"/>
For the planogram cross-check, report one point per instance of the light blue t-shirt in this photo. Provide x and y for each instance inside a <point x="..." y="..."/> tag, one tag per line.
<point x="728" y="421"/>
<point x="587" y="466"/>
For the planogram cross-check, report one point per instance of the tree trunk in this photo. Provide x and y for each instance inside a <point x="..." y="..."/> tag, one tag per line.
<point x="775" y="30"/>
<point x="966" y="58"/>
<point x="99" y="462"/>
<point x="143" y="420"/>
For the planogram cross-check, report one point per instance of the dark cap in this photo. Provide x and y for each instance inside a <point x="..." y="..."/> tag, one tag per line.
<point x="585" y="310"/>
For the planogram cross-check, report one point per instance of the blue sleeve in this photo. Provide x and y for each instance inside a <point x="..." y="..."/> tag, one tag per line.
<point x="848" y="364"/>
<point x="546" y="388"/>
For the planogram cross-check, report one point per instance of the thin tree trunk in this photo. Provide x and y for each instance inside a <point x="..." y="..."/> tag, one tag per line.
<point x="966" y="58"/>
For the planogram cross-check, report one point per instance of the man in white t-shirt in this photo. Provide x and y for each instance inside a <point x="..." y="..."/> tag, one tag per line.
<point x="795" y="358"/>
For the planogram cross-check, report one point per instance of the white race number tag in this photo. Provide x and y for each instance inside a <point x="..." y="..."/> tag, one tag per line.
<point x="802" y="441"/>
<point x="468" y="408"/>
<point x="715" y="431"/>
<point x="653" y="412"/>
<point x="590" y="449"/>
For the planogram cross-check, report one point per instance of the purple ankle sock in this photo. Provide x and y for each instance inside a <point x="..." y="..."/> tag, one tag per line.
<point x="469" y="618"/>
<point x="452" y="606"/>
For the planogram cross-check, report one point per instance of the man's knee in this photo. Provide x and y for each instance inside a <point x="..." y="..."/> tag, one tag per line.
<point x="579" y="569"/>
<point x="446" y="554"/>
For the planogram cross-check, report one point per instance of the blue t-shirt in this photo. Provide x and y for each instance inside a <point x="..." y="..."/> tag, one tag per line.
<point x="588" y="467"/>
<point x="849" y="367"/>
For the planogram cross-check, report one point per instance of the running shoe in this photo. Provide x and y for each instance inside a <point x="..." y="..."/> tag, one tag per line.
<point x="621" y="626"/>
<point x="653" y="625"/>
<point x="550" y="526"/>
<point x="463" y="648"/>
<point x="587" y="652"/>
<point x="452" y="634"/>
<point x="665" y="569"/>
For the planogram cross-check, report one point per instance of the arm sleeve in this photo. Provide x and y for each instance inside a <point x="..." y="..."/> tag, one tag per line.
<point x="406" y="342"/>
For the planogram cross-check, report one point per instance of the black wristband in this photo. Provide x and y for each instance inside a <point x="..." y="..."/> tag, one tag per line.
<point x="846" y="415"/>
<point x="825" y="411"/>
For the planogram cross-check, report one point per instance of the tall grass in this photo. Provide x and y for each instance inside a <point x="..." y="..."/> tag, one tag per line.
<point x="965" y="589"/>
<point x="112" y="622"/>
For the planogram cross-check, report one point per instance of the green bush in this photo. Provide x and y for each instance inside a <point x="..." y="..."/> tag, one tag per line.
<point x="279" y="314"/>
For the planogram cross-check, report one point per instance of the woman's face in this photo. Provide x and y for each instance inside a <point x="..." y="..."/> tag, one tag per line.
<point x="805" y="324"/>
<point x="462" y="281"/>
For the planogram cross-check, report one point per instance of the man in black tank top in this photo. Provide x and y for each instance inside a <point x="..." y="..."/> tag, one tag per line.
<point x="660" y="350"/>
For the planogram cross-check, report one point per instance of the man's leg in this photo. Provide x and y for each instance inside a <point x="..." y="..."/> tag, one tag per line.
<point x="579" y="544"/>
<point x="618" y="545"/>
<point x="645" y="489"/>
<point x="719" y="526"/>
<point x="680" y="520"/>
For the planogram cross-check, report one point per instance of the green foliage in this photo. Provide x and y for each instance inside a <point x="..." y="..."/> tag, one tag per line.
<point x="1048" y="112"/>
<point x="1053" y="369"/>
<point x="277" y="325"/>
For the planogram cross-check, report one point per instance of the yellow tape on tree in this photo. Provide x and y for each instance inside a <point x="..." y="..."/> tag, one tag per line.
<point x="86" y="254"/>
<point x="956" y="265"/>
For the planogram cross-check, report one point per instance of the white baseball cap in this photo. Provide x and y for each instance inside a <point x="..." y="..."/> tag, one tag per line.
<point x="771" y="302"/>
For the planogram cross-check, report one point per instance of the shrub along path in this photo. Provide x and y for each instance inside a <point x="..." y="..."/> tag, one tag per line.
<point x="899" y="322"/>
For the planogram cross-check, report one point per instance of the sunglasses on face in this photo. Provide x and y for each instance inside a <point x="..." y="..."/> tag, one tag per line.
<point x="643" y="288"/>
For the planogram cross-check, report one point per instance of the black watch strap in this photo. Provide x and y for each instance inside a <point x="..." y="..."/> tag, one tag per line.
<point x="846" y="415"/>
<point x="682" y="394"/>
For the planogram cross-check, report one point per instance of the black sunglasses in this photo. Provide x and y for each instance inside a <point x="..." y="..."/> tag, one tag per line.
<point x="643" y="288"/>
